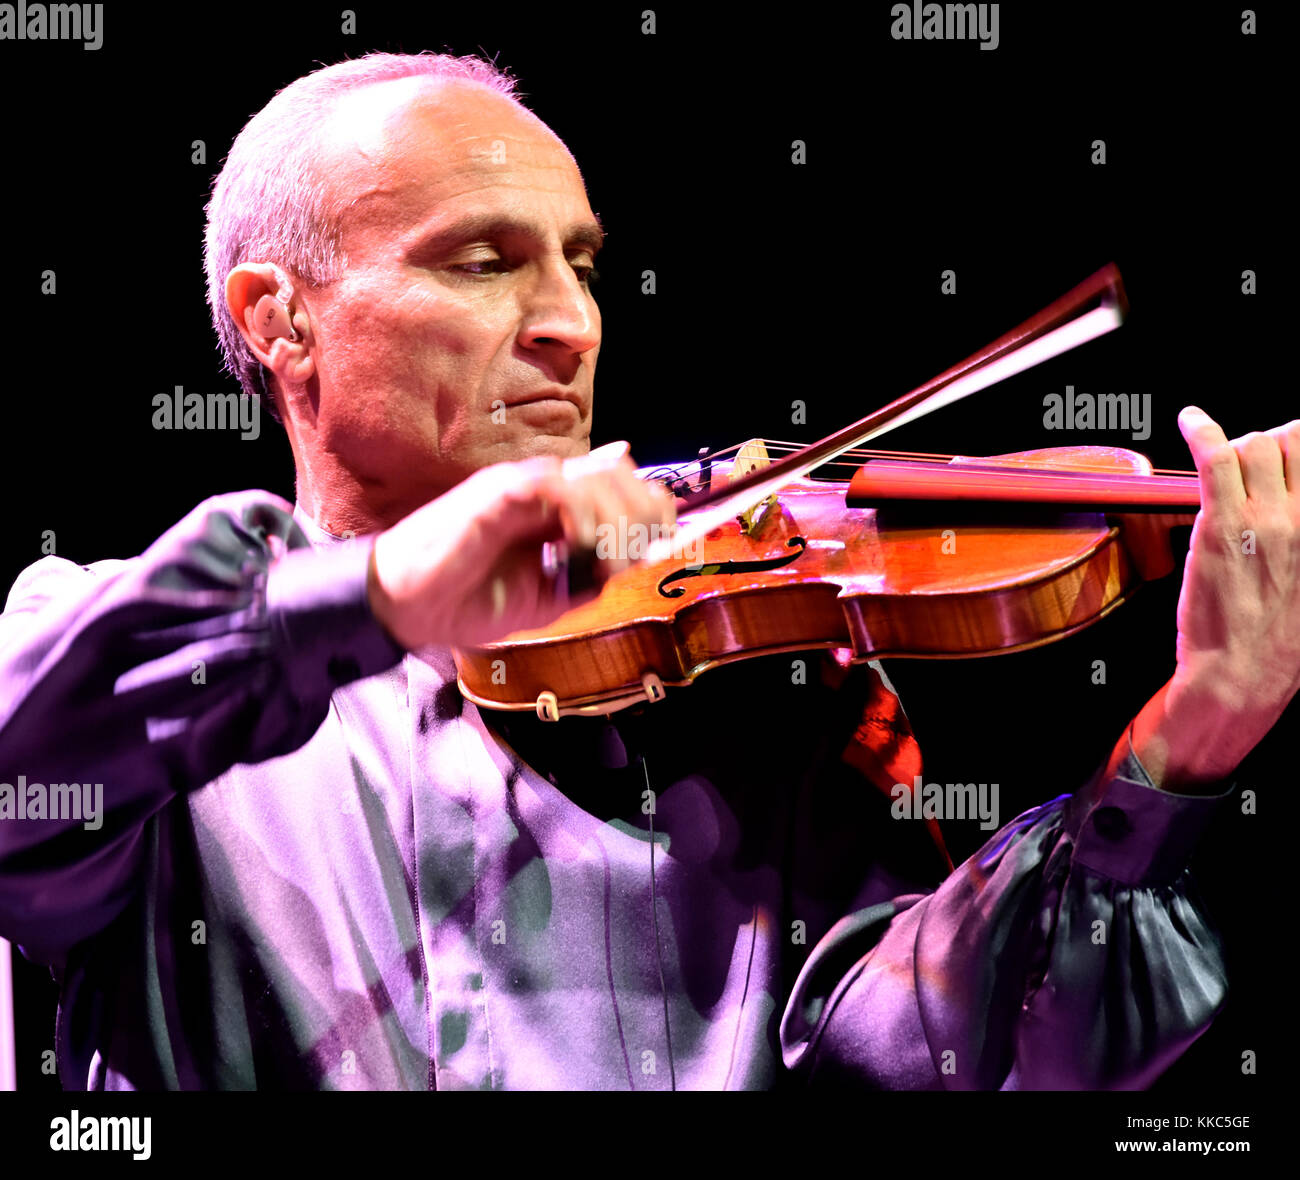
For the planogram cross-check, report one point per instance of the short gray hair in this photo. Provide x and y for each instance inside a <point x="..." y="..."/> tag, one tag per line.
<point x="269" y="204"/>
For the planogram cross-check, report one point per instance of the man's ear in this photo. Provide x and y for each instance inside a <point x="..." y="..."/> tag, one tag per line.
<point x="265" y="308"/>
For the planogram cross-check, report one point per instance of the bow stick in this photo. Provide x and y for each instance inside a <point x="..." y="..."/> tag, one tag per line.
<point x="1093" y="308"/>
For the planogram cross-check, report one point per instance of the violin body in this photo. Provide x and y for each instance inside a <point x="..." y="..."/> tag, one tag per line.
<point x="943" y="581"/>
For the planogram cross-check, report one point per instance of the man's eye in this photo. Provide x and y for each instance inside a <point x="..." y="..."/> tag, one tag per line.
<point x="489" y="266"/>
<point x="483" y="266"/>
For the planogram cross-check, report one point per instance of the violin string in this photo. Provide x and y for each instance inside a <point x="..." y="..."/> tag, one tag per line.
<point x="1047" y="474"/>
<point x="862" y="452"/>
<point x="669" y="471"/>
<point x="853" y="459"/>
<point x="923" y="456"/>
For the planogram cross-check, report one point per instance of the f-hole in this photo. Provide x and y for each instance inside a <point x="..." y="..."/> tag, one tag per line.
<point x="725" y="568"/>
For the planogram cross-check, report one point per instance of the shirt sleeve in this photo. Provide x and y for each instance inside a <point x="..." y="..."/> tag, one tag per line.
<point x="137" y="680"/>
<point x="1070" y="952"/>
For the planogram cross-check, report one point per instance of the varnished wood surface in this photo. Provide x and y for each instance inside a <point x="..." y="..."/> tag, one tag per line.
<point x="945" y="584"/>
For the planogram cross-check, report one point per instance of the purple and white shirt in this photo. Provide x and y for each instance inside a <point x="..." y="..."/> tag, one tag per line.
<point x="318" y="866"/>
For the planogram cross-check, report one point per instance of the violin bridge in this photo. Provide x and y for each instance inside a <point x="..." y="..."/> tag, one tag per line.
<point x="753" y="456"/>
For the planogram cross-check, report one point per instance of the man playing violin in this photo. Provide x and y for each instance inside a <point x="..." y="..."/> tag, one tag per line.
<point x="396" y="890"/>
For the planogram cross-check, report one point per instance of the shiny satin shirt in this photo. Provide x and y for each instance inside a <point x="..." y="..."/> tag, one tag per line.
<point x="319" y="867"/>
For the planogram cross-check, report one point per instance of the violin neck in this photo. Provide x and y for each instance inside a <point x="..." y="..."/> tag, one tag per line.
<point x="890" y="480"/>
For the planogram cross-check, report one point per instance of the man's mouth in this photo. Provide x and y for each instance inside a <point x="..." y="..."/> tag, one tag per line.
<point x="545" y="396"/>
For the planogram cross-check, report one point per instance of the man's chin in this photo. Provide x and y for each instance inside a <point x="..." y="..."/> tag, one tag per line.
<point x="560" y="446"/>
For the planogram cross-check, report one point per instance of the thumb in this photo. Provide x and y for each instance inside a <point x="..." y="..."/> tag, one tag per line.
<point x="1216" y="460"/>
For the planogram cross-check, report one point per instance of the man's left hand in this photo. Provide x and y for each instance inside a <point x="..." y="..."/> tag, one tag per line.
<point x="1239" y="610"/>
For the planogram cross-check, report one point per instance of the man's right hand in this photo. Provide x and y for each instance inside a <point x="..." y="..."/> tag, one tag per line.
<point x="465" y="569"/>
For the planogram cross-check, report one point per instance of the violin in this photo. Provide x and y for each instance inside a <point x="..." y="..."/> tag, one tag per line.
<point x="923" y="556"/>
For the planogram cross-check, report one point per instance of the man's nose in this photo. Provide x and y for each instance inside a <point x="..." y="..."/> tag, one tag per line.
<point x="560" y="311"/>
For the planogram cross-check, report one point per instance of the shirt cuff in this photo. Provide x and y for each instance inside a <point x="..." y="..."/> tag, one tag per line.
<point x="318" y="608"/>
<point x="1128" y="829"/>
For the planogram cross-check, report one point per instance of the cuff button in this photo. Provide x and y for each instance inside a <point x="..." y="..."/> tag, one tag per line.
<point x="1110" y="823"/>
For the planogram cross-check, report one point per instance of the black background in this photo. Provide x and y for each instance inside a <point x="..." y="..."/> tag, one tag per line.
<point x="775" y="282"/>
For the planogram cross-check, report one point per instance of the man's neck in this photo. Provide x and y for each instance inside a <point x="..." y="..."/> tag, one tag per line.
<point x="341" y="502"/>
<point x="344" y="506"/>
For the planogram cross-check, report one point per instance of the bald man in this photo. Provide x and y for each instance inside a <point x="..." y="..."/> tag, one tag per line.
<point x="319" y="867"/>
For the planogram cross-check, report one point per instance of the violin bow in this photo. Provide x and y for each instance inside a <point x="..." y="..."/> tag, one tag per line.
<point x="1093" y="308"/>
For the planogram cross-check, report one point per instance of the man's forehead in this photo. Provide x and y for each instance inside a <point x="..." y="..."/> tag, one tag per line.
<point x="400" y="147"/>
